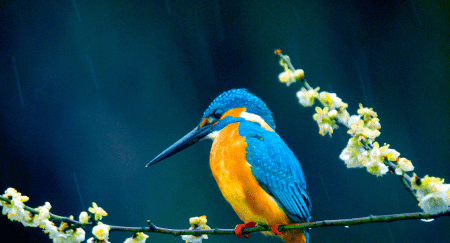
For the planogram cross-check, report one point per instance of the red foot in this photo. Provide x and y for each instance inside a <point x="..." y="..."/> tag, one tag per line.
<point x="240" y="227"/>
<point x="275" y="229"/>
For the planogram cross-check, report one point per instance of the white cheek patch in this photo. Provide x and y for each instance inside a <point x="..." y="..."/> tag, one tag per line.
<point x="212" y="135"/>
<point x="255" y="118"/>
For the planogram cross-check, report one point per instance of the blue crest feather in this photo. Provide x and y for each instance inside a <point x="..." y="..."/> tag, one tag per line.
<point x="237" y="98"/>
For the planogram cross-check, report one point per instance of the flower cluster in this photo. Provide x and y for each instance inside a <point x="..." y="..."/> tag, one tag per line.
<point x="356" y="156"/>
<point x="432" y="193"/>
<point x="326" y="120"/>
<point x="196" y="224"/>
<point x="101" y="230"/>
<point x="374" y="159"/>
<point x="332" y="101"/>
<point x="337" y="112"/>
<point x="369" y="117"/>
<point x="362" y="151"/>
<point x="16" y="212"/>
<point x="290" y="76"/>
<point x="360" y="129"/>
<point x="364" y="129"/>
<point x="65" y="233"/>
<point x="101" y="233"/>
<point x="334" y="109"/>
<point x="352" y="154"/>
<point x="307" y="97"/>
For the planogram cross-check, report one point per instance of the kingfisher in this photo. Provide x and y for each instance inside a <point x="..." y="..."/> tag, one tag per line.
<point x="255" y="170"/>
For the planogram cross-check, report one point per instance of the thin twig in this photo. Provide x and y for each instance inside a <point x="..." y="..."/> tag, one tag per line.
<point x="287" y="60"/>
<point x="405" y="179"/>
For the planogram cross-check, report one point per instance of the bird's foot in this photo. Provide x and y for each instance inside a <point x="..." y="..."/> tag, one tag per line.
<point x="275" y="229"/>
<point x="240" y="227"/>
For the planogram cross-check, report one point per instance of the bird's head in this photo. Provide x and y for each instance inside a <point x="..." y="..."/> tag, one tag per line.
<point x="232" y="106"/>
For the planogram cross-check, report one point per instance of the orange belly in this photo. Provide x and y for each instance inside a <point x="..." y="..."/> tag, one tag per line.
<point x="240" y="188"/>
<point x="237" y="183"/>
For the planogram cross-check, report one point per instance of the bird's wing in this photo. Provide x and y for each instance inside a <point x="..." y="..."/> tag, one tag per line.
<point x="278" y="171"/>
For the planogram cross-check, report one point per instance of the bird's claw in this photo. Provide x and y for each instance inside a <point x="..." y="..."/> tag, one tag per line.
<point x="240" y="227"/>
<point x="275" y="229"/>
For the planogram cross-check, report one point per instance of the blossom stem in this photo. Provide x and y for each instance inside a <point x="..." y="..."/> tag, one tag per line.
<point x="52" y="216"/>
<point x="289" y="63"/>
<point x="406" y="179"/>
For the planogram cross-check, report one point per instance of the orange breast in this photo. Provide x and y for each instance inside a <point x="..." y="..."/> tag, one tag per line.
<point x="237" y="183"/>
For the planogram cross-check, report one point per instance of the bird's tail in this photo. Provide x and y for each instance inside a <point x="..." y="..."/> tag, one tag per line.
<point x="295" y="236"/>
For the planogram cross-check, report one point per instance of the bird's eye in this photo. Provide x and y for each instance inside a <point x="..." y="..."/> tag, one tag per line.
<point x="217" y="113"/>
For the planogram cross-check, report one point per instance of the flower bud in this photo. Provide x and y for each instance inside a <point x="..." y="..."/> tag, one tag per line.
<point x="299" y="74"/>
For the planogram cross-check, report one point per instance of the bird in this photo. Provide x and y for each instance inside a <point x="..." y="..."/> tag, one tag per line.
<point x="255" y="170"/>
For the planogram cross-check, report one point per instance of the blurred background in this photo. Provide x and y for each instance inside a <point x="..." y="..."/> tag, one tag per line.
<point x="93" y="90"/>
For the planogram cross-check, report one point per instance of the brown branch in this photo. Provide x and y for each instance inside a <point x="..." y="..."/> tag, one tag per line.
<point x="318" y="224"/>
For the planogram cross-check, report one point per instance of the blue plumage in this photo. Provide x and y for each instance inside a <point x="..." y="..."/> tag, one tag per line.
<point x="277" y="170"/>
<point x="238" y="98"/>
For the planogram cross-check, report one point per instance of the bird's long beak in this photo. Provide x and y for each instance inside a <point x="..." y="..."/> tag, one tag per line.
<point x="186" y="141"/>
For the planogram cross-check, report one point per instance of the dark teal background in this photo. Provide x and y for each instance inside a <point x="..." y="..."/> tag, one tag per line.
<point x="107" y="85"/>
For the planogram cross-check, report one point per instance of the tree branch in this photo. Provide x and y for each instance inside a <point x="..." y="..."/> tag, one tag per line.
<point x="317" y="224"/>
